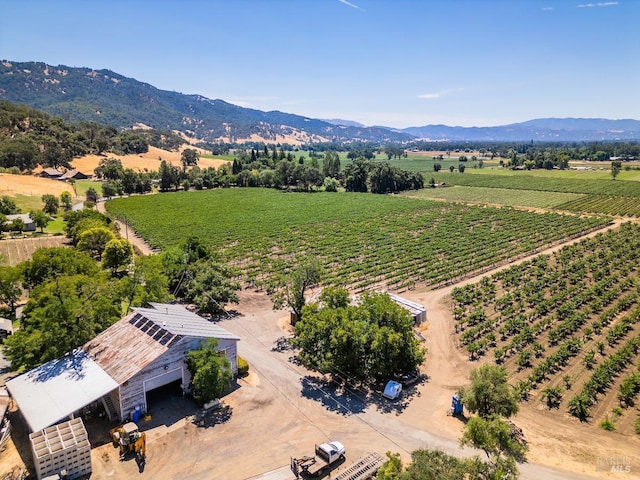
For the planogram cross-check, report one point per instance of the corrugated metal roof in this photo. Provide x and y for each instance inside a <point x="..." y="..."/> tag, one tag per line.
<point x="121" y="351"/>
<point x="180" y="321"/>
<point x="56" y="389"/>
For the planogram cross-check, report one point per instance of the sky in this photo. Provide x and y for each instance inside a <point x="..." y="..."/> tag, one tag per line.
<point x="397" y="63"/>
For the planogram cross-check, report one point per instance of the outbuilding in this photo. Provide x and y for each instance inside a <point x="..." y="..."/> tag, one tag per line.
<point x="119" y="368"/>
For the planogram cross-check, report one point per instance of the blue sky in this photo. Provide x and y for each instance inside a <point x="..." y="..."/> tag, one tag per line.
<point x="396" y="63"/>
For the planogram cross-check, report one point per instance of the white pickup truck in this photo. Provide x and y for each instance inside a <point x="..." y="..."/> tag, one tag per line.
<point x="327" y="454"/>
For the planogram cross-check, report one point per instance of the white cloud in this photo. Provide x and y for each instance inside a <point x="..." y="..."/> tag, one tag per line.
<point x="547" y="9"/>
<point x="351" y="5"/>
<point x="599" y="4"/>
<point x="430" y="96"/>
<point x="442" y="93"/>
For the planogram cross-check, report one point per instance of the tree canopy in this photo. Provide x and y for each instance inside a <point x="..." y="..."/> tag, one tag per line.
<point x="489" y="392"/>
<point x="211" y="372"/>
<point x="370" y="340"/>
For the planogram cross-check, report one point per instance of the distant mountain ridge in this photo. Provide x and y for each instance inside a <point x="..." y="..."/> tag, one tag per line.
<point x="542" y="129"/>
<point x="103" y="96"/>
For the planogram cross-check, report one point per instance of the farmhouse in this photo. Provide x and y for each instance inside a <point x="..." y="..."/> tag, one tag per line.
<point x="52" y="173"/>
<point x="74" y="174"/>
<point x="141" y="352"/>
<point x="29" y="224"/>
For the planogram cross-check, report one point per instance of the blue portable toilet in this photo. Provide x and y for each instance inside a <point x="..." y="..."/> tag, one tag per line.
<point x="456" y="405"/>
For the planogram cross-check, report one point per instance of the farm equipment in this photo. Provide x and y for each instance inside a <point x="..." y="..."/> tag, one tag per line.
<point x="130" y="440"/>
<point x="327" y="455"/>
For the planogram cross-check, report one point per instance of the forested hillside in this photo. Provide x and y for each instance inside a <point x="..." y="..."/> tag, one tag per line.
<point x="29" y="137"/>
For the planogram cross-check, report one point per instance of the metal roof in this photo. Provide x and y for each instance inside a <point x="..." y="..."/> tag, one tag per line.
<point x="58" y="388"/>
<point x="178" y="320"/>
<point x="122" y="352"/>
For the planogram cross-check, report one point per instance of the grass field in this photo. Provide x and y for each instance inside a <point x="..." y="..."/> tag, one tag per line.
<point x="497" y="196"/>
<point x="16" y="250"/>
<point x="361" y="239"/>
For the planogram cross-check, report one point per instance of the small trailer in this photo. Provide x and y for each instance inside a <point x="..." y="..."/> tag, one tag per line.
<point x="326" y="456"/>
<point x="364" y="468"/>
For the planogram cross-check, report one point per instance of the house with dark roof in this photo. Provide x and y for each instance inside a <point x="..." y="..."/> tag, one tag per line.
<point x="74" y="174"/>
<point x="141" y="352"/>
<point x="52" y="173"/>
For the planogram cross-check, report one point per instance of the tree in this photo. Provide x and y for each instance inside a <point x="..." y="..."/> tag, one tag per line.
<point x="461" y="168"/>
<point x="145" y="283"/>
<point x="291" y="291"/>
<point x="437" y="465"/>
<point x="211" y="372"/>
<point x="62" y="315"/>
<point x="489" y="392"/>
<point x="51" y="204"/>
<point x="17" y="225"/>
<point x="493" y="435"/>
<point x="437" y="167"/>
<point x="209" y="286"/>
<point x="616" y="166"/>
<point x="10" y="291"/>
<point x="117" y="254"/>
<point x="356" y="174"/>
<point x="197" y="277"/>
<point x="109" y="169"/>
<point x="66" y="200"/>
<point x="40" y="218"/>
<point x="91" y="195"/>
<point x="188" y="158"/>
<point x="8" y="206"/>
<point x="48" y="263"/>
<point x="579" y="407"/>
<point x="331" y="164"/>
<point x="371" y="340"/>
<point x="94" y="240"/>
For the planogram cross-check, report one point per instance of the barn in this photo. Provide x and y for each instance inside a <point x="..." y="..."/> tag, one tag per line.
<point x="120" y="367"/>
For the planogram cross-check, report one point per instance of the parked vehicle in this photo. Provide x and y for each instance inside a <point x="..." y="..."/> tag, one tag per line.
<point x="326" y="456"/>
<point x="392" y="390"/>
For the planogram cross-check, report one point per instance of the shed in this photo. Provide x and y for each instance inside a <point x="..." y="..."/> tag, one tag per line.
<point x="6" y="327"/>
<point x="29" y="224"/>
<point x="417" y="311"/>
<point x="141" y="352"/>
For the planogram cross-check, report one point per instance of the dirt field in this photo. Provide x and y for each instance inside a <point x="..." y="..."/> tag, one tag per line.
<point x="145" y="162"/>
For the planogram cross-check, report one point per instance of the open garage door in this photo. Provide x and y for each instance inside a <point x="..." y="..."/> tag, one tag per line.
<point x="163" y="379"/>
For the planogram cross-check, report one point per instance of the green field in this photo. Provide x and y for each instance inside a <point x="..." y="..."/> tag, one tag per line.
<point x="498" y="196"/>
<point x="362" y="239"/>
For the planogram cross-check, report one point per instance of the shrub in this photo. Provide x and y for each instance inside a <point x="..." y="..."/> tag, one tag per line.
<point x="243" y="367"/>
<point x="607" y="425"/>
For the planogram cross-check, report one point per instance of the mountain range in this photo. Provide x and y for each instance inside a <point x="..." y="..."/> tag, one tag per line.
<point x="103" y="96"/>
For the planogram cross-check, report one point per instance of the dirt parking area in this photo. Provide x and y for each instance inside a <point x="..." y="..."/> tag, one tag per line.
<point x="281" y="410"/>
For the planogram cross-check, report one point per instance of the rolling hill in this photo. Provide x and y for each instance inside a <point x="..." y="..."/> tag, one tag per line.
<point x="103" y="96"/>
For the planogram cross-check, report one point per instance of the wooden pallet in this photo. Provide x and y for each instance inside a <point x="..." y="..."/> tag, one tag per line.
<point x="363" y="468"/>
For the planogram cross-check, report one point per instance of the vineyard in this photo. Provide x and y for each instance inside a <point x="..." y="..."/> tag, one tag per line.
<point x="364" y="241"/>
<point x="601" y="196"/>
<point x="499" y="196"/>
<point x="566" y="327"/>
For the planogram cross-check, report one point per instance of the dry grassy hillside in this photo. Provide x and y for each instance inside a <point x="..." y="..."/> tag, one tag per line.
<point x="149" y="161"/>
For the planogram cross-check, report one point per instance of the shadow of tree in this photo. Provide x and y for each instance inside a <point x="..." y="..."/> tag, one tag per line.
<point x="212" y="417"/>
